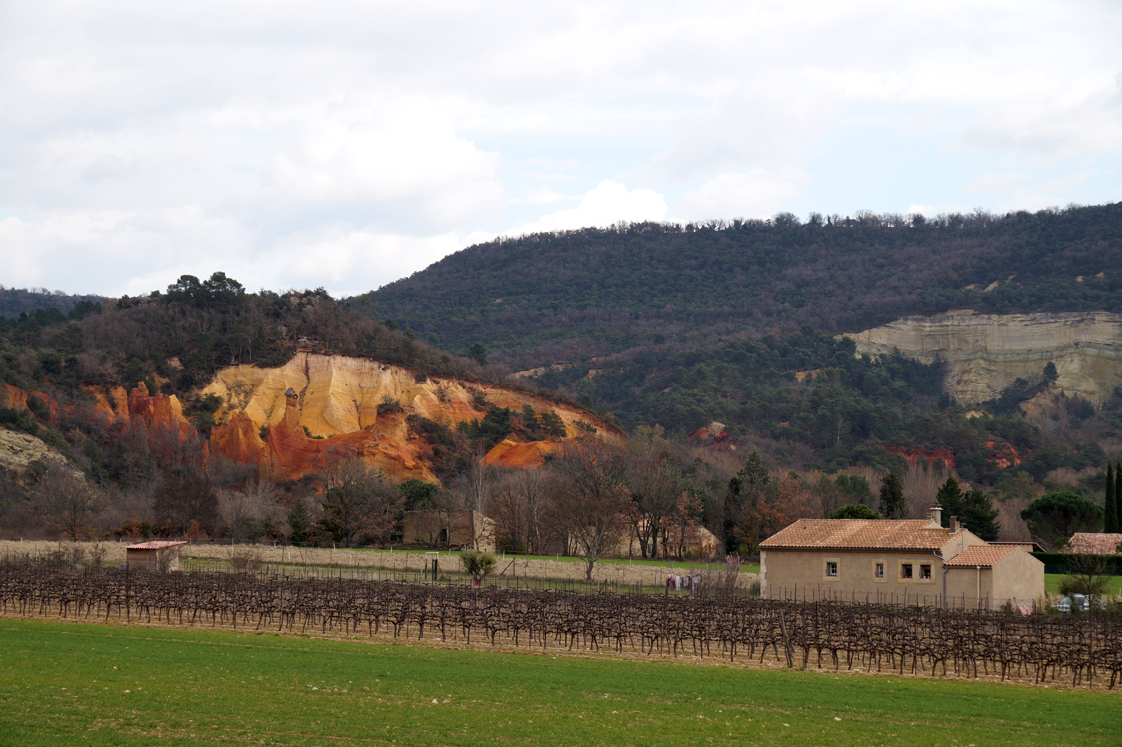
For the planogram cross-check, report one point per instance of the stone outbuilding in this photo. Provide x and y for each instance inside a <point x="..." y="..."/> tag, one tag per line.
<point x="157" y="555"/>
<point x="897" y="562"/>
<point x="453" y="529"/>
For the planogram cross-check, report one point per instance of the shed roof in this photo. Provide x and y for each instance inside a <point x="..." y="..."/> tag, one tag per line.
<point x="1088" y="543"/>
<point x="986" y="556"/>
<point x="861" y="534"/>
<point x="156" y="545"/>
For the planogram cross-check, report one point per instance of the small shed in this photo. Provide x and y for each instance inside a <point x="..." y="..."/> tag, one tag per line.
<point x="461" y="528"/>
<point x="157" y="555"/>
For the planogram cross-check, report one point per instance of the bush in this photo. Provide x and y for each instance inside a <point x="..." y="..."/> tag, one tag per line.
<point x="388" y="405"/>
<point x="856" y="511"/>
<point x="477" y="564"/>
<point x="245" y="558"/>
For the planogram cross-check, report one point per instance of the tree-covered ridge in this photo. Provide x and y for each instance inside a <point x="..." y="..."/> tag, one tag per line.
<point x="16" y="301"/>
<point x="553" y="297"/>
<point x="821" y="405"/>
<point x="185" y="334"/>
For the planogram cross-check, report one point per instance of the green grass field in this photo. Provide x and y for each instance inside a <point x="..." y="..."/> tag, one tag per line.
<point x="76" y="684"/>
<point x="1052" y="584"/>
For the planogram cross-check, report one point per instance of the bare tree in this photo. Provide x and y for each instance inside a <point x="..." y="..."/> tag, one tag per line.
<point x="187" y="497"/>
<point x="250" y="512"/>
<point x="655" y="487"/>
<point x="474" y="487"/>
<point x="357" y="499"/>
<point x="67" y="501"/>
<point x="590" y="502"/>
<point x="517" y="504"/>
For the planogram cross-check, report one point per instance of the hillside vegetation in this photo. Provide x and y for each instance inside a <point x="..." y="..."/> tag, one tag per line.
<point x="682" y="325"/>
<point x="560" y="297"/>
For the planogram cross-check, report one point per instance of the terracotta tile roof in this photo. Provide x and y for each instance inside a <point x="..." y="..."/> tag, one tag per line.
<point x="860" y="534"/>
<point x="1087" y="543"/>
<point x="155" y="545"/>
<point x="986" y="556"/>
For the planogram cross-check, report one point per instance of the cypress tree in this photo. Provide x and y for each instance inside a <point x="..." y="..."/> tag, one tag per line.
<point x="1110" y="508"/>
<point x="298" y="521"/>
<point x="950" y="498"/>
<point x="892" y="503"/>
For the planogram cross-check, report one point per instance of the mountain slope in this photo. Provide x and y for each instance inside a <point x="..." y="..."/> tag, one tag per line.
<point x="559" y="298"/>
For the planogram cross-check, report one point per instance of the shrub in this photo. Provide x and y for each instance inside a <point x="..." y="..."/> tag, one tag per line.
<point x="477" y="564"/>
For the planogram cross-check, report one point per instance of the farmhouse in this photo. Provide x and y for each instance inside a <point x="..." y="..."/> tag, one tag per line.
<point x="463" y="528"/>
<point x="1095" y="543"/>
<point x="158" y="555"/>
<point x="895" y="561"/>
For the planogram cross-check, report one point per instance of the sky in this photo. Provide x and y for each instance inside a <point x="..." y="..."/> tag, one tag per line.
<point x="345" y="145"/>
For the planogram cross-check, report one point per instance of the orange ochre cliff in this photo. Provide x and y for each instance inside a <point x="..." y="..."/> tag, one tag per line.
<point x="292" y="418"/>
<point x="289" y="420"/>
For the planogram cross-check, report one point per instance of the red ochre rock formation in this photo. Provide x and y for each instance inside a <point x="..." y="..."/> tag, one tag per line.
<point x="13" y="397"/>
<point x="318" y="407"/>
<point x="715" y="436"/>
<point x="1003" y="455"/>
<point x="113" y="407"/>
<point x="517" y="455"/>
<point x="931" y="455"/>
<point x="158" y="410"/>
<point x="238" y="440"/>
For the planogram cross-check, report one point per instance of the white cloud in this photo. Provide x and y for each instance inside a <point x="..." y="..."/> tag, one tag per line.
<point x="757" y="193"/>
<point x="139" y="140"/>
<point x="359" y="261"/>
<point x="607" y="204"/>
<point x="135" y="251"/>
<point x="409" y="157"/>
<point x="1090" y="123"/>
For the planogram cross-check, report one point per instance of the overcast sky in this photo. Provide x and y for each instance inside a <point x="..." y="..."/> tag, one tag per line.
<point x="347" y="144"/>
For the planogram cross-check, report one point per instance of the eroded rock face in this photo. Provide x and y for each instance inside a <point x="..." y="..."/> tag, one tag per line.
<point x="18" y="450"/>
<point x="316" y="406"/>
<point x="986" y="352"/>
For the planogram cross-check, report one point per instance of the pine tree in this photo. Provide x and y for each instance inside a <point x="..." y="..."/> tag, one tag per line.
<point x="298" y="523"/>
<point x="1110" y="508"/>
<point x="979" y="515"/>
<point x="949" y="498"/>
<point x="892" y="503"/>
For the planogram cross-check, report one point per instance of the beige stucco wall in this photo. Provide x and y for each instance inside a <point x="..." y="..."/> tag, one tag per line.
<point x="787" y="573"/>
<point x="1019" y="577"/>
<point x="965" y="539"/>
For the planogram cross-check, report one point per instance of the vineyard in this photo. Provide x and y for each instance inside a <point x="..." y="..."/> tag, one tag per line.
<point x="1078" y="649"/>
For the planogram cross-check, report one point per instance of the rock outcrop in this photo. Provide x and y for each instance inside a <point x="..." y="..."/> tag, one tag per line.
<point x="986" y="352"/>
<point x="19" y="450"/>
<point x="317" y="406"/>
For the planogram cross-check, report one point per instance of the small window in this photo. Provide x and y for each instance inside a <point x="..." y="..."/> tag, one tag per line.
<point x="831" y="568"/>
<point x="880" y="570"/>
<point x="925" y="571"/>
<point x="905" y="570"/>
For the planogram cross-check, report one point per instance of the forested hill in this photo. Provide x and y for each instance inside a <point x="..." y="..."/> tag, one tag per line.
<point x="16" y="301"/>
<point x="554" y="298"/>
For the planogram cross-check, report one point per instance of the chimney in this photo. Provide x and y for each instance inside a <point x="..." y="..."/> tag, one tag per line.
<point x="954" y="524"/>
<point x="937" y="515"/>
